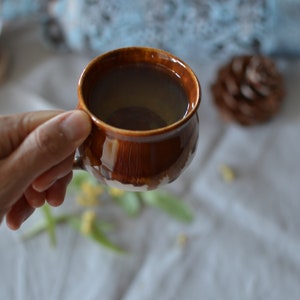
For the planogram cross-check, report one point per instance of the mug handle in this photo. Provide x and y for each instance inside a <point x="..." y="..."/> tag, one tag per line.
<point x="77" y="162"/>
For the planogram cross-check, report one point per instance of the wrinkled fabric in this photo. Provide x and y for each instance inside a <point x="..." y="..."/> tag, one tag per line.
<point x="243" y="244"/>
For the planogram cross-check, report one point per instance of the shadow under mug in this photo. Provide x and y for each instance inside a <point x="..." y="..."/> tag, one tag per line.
<point x="138" y="160"/>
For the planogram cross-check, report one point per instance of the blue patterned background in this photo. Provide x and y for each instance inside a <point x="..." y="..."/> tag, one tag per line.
<point x="211" y="28"/>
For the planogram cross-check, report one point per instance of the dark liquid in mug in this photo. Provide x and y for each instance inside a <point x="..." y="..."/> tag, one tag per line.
<point x="138" y="97"/>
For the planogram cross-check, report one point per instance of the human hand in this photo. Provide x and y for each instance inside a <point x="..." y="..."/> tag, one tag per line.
<point x="36" y="159"/>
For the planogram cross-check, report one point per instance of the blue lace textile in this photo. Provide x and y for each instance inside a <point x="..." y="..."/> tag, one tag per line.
<point x="212" y="28"/>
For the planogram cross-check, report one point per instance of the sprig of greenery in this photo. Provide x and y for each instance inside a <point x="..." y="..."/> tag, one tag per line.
<point x="89" y="194"/>
<point x="43" y="226"/>
<point x="130" y="202"/>
<point x="51" y="223"/>
<point x="97" y="234"/>
<point x="170" y="204"/>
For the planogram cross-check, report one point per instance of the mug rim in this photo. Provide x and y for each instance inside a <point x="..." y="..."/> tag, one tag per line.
<point x="121" y="131"/>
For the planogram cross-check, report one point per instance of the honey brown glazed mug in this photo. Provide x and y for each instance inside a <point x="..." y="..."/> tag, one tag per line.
<point x="143" y="104"/>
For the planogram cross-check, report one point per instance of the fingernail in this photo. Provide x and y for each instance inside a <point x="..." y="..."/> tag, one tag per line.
<point x="76" y="125"/>
<point x="41" y="189"/>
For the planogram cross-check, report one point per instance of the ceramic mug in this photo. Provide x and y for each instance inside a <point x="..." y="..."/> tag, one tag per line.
<point x="138" y="160"/>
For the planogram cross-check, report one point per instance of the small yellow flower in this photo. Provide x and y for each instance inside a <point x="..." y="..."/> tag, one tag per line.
<point x="115" y="192"/>
<point x="182" y="240"/>
<point x="84" y="200"/>
<point x="227" y="173"/>
<point x="91" y="189"/>
<point x="87" y="220"/>
<point x="90" y="194"/>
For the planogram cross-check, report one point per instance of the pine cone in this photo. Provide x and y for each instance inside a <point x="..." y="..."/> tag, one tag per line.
<point x="248" y="90"/>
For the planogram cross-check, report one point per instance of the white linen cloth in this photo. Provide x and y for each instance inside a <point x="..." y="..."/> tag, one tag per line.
<point x="243" y="244"/>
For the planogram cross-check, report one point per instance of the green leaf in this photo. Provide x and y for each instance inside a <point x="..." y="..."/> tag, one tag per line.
<point x="50" y="223"/>
<point x="41" y="227"/>
<point x="170" y="204"/>
<point x="97" y="234"/>
<point x="78" y="179"/>
<point x="130" y="203"/>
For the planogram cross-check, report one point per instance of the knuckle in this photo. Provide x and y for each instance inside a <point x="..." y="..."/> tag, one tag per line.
<point x="25" y="121"/>
<point x="46" y="145"/>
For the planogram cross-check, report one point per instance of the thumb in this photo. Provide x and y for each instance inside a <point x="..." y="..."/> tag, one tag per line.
<point x="46" y="146"/>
